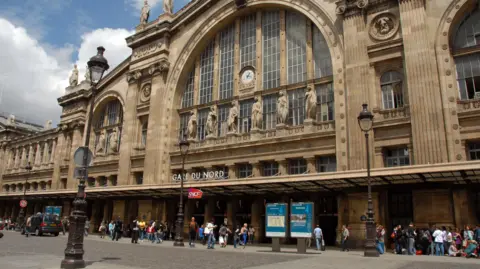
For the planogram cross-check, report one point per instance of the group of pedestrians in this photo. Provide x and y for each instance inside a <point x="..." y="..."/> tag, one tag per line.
<point x="439" y="241"/>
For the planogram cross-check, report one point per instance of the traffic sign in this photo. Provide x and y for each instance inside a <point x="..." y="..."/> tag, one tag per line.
<point x="78" y="157"/>
<point x="80" y="172"/>
<point x="23" y="203"/>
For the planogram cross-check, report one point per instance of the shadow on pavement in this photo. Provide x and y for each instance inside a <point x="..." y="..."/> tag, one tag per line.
<point x="88" y="263"/>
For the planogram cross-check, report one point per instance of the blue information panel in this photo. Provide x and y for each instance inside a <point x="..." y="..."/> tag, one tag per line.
<point x="54" y="210"/>
<point x="301" y="215"/>
<point x="276" y="220"/>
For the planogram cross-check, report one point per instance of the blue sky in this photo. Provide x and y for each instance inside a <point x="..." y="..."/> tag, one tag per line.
<point x="41" y="40"/>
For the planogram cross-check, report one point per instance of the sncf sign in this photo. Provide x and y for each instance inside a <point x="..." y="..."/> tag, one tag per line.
<point x="194" y="193"/>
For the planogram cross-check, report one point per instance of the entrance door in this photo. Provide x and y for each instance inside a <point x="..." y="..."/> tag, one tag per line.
<point x="401" y="209"/>
<point x="326" y="216"/>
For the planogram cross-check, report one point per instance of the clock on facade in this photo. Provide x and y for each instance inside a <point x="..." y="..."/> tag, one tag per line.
<point x="247" y="76"/>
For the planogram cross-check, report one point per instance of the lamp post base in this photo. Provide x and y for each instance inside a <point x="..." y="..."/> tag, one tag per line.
<point x="72" y="264"/>
<point x="179" y="229"/>
<point x="370" y="246"/>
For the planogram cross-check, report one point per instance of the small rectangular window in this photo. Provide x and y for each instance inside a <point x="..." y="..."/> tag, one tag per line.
<point x="270" y="111"/>
<point x="326" y="164"/>
<point x="245" y="116"/>
<point x="397" y="157"/>
<point x="474" y="151"/>
<point x="297" y="166"/>
<point x="222" y="120"/>
<point x="245" y="170"/>
<point x="325" y="102"/>
<point x="201" y="120"/>
<point x="270" y="169"/>
<point x="187" y="99"/>
<point x="296" y="107"/>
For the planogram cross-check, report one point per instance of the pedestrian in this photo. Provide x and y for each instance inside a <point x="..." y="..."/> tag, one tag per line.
<point x="380" y="239"/>
<point x="135" y="231"/>
<point x="193" y="227"/>
<point x="118" y="229"/>
<point x="411" y="239"/>
<point x="87" y="227"/>
<point x="236" y="236"/>
<point x="476" y="234"/>
<point x="457" y="238"/>
<point x="222" y="236"/>
<point x="143" y="232"/>
<point x="211" y="236"/>
<point x="318" y="237"/>
<point x="64" y="224"/>
<point x="345" y="236"/>
<point x="244" y="232"/>
<point x="438" y="242"/>
<point x="251" y="234"/>
<point x="201" y="235"/>
<point x="111" y="229"/>
<point x="28" y="224"/>
<point x="102" y="229"/>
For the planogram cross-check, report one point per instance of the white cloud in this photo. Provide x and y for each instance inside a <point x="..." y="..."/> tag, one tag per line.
<point x="138" y="4"/>
<point x="34" y="75"/>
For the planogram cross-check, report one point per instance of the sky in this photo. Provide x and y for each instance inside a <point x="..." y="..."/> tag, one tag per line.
<point x="41" y="40"/>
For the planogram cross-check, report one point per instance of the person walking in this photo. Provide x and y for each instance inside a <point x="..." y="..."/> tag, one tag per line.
<point x="410" y="239"/>
<point x="211" y="236"/>
<point x="65" y="224"/>
<point x="244" y="232"/>
<point x="236" y="236"/>
<point x="222" y="236"/>
<point x="201" y="234"/>
<point x="102" y="229"/>
<point x="118" y="229"/>
<point x="345" y="236"/>
<point x="28" y="224"/>
<point x="142" y="231"/>
<point x="135" y="231"/>
<point x="438" y="242"/>
<point x="251" y="234"/>
<point x="111" y="229"/>
<point x="87" y="227"/>
<point x="380" y="239"/>
<point x="318" y="237"/>
<point x="193" y="227"/>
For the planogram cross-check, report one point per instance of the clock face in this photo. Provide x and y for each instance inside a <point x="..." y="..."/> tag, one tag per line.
<point x="248" y="76"/>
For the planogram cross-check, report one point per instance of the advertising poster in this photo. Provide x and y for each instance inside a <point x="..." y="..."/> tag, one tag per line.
<point x="276" y="217"/>
<point x="301" y="215"/>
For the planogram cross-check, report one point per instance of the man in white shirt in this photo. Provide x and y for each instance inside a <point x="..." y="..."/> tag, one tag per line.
<point x="318" y="236"/>
<point x="211" y="237"/>
<point x="438" y="235"/>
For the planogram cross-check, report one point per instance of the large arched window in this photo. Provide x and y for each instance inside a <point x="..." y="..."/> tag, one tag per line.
<point x="108" y="128"/>
<point x="466" y="51"/>
<point x="288" y="52"/>
<point x="392" y="90"/>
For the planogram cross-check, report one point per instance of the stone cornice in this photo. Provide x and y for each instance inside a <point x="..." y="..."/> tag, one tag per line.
<point x="349" y="8"/>
<point x="34" y="138"/>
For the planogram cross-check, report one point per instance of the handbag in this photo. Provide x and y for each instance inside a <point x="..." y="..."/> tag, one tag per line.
<point x="323" y="245"/>
<point x="465" y="243"/>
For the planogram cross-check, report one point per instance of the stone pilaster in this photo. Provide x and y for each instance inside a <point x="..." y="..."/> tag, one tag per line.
<point x="464" y="208"/>
<point x="128" y="132"/>
<point x="437" y="202"/>
<point x="45" y="159"/>
<point x="232" y="204"/>
<point x="157" y="151"/>
<point x="232" y="171"/>
<point x="236" y="61"/>
<point x="256" y="169"/>
<point x="3" y="162"/>
<point x="30" y="155"/>
<point x="18" y="156"/>
<point x="216" y="66"/>
<point x="77" y="140"/>
<point x="58" y="160"/>
<point x="209" y="209"/>
<point x="428" y="122"/>
<point x="311" y="164"/>
<point x="310" y="72"/>
<point x="257" y="221"/>
<point x="118" y="210"/>
<point x="38" y="158"/>
<point x="357" y="68"/>
<point x="52" y="156"/>
<point x="282" y="167"/>
<point x="378" y="158"/>
<point x="23" y="160"/>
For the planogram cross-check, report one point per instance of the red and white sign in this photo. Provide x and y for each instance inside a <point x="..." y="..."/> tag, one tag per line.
<point x="194" y="193"/>
<point x="23" y="203"/>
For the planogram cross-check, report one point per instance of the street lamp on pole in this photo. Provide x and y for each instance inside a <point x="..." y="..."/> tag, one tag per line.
<point x="21" y="215"/>
<point x="183" y="145"/>
<point x="365" y="120"/>
<point x="74" y="250"/>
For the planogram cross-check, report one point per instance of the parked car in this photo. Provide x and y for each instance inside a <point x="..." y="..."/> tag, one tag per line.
<point x="42" y="223"/>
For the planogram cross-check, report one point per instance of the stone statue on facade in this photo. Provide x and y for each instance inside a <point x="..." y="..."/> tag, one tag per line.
<point x="192" y="126"/>
<point x="168" y="6"/>
<point x="212" y="122"/>
<point x="101" y="143"/>
<point x="145" y="13"/>
<point x="114" y="140"/>
<point x="87" y="75"/>
<point x="48" y="125"/>
<point x="310" y="103"/>
<point x="233" y="117"/>
<point x="282" y="108"/>
<point x="11" y="120"/>
<point x="74" y="77"/>
<point x="257" y="114"/>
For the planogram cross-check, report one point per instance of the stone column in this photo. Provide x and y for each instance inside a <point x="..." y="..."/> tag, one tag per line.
<point x="342" y="209"/>
<point x="157" y="159"/>
<point x="3" y="162"/>
<point x="282" y="167"/>
<point x="145" y="209"/>
<point x="128" y="132"/>
<point x="23" y="161"/>
<point x="427" y="120"/>
<point x="232" y="171"/>
<point x="464" y="208"/>
<point x="118" y="209"/>
<point x="357" y="206"/>
<point x="38" y="158"/>
<point x="231" y="212"/>
<point x="257" y="169"/>
<point x="357" y="78"/>
<point x="257" y="221"/>
<point x="378" y="158"/>
<point x="18" y="155"/>
<point x="77" y="140"/>
<point x="52" y="156"/>
<point x="45" y="153"/>
<point x="187" y="214"/>
<point x="30" y="155"/>
<point x="209" y="209"/>
<point x="58" y="160"/>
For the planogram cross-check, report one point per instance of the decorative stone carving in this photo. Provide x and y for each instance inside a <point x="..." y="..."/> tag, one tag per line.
<point x="282" y="108"/>
<point x="11" y="120"/>
<point x="161" y="67"/>
<point x="384" y="26"/>
<point x="87" y="75"/>
<point x="145" y="93"/>
<point x="212" y="122"/>
<point x="113" y="141"/>
<point x="74" y="77"/>
<point x="134" y="76"/>
<point x="310" y="103"/>
<point x="48" y="125"/>
<point x="233" y="117"/>
<point x="257" y="113"/>
<point x="350" y="7"/>
<point x="192" y="126"/>
<point x="101" y="143"/>
<point x="145" y="13"/>
<point x="168" y="6"/>
<point x="146" y="50"/>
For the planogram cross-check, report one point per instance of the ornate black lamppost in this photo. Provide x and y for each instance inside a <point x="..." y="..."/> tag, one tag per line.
<point x="184" y="145"/>
<point x="74" y="251"/>
<point x="365" y="120"/>
<point x="21" y="215"/>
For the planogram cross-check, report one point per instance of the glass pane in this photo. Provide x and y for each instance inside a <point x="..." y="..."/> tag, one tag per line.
<point x="206" y="73"/>
<point x="227" y="38"/>
<point x="296" y="32"/>
<point x="271" y="49"/>
<point x="248" y="42"/>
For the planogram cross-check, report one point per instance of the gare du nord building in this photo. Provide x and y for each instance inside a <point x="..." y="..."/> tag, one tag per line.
<point x="415" y="63"/>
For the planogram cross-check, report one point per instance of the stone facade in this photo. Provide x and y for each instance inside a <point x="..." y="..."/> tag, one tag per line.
<point x="397" y="56"/>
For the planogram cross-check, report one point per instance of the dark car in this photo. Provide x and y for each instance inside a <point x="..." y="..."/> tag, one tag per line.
<point x="45" y="223"/>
